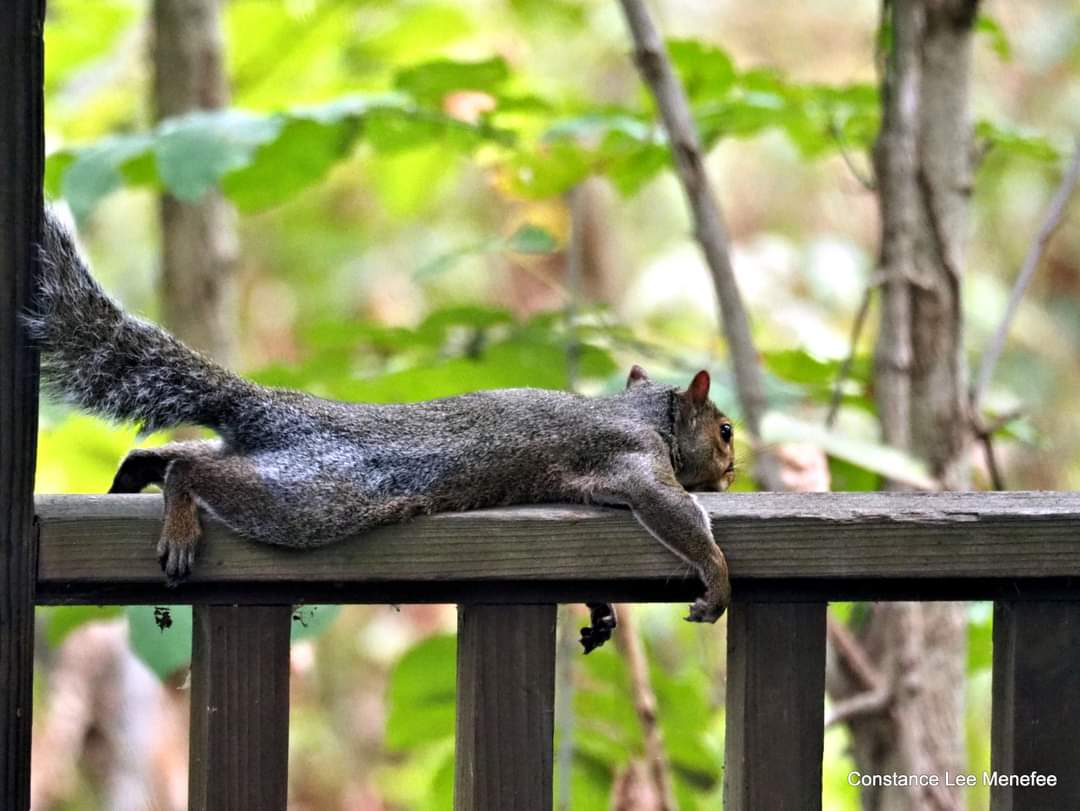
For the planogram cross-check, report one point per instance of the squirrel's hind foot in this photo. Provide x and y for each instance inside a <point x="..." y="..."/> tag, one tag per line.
<point x="180" y="535"/>
<point x="176" y="559"/>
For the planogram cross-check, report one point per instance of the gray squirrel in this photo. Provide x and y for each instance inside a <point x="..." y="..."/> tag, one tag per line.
<point x="296" y="470"/>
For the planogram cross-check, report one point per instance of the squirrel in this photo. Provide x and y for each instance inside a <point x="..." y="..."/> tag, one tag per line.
<point x="292" y="469"/>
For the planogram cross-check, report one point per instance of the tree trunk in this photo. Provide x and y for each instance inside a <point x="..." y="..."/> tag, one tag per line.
<point x="198" y="239"/>
<point x="923" y="165"/>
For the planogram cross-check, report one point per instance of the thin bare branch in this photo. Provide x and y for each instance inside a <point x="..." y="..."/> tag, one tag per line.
<point x="1055" y="212"/>
<point x="860" y="705"/>
<point x="856" y="331"/>
<point x="997" y="480"/>
<point x="652" y="61"/>
<point x="865" y="180"/>
<point x="629" y="646"/>
<point x="854" y="656"/>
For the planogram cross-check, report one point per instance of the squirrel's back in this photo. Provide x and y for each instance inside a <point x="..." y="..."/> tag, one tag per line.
<point x="107" y="362"/>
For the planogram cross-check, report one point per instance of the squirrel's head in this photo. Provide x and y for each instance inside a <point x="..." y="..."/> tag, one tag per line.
<point x="704" y="437"/>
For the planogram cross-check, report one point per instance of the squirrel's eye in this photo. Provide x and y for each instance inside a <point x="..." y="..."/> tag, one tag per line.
<point x="725" y="432"/>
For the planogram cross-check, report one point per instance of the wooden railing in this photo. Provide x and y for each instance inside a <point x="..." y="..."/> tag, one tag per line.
<point x="508" y="568"/>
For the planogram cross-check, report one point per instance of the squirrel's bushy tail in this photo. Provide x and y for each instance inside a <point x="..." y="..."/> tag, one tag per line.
<point x="97" y="357"/>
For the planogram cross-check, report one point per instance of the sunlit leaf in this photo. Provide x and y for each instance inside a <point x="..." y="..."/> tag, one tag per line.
<point x="1016" y="141"/>
<point x="258" y="159"/>
<point x="995" y="34"/>
<point x="431" y="81"/>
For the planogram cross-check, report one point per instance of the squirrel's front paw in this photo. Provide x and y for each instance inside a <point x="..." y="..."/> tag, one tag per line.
<point x="602" y="623"/>
<point x="706" y="610"/>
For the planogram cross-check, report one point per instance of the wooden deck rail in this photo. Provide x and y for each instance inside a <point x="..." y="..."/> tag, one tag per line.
<point x="507" y="568"/>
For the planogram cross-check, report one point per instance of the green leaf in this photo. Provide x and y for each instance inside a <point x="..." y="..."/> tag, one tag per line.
<point x="161" y="636"/>
<point x="195" y="150"/>
<point x="799" y="366"/>
<point x="532" y="239"/>
<point x="431" y="81"/>
<point x="1016" y="141"/>
<point x="848" y="477"/>
<point x="301" y="153"/>
<point x="999" y="40"/>
<point x="258" y="159"/>
<point x="704" y="69"/>
<point x="93" y="172"/>
<point x="422" y="693"/>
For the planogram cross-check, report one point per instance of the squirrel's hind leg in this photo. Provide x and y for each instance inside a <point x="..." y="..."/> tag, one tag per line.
<point x="145" y="466"/>
<point x="181" y="532"/>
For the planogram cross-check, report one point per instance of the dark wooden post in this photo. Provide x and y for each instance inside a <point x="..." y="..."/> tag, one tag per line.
<point x="21" y="165"/>
<point x="775" y="706"/>
<point x="239" y="708"/>
<point x="505" y="708"/>
<point x="1036" y="704"/>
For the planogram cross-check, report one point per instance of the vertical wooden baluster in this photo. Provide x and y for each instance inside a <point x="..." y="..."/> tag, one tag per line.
<point x="21" y="165"/>
<point x="505" y="708"/>
<point x="1036" y="703"/>
<point x="239" y="708"/>
<point x="775" y="706"/>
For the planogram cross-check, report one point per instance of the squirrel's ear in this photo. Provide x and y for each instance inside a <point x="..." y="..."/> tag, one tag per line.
<point x="637" y="375"/>
<point x="698" y="390"/>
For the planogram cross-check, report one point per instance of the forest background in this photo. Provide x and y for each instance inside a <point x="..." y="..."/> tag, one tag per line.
<point x="433" y="198"/>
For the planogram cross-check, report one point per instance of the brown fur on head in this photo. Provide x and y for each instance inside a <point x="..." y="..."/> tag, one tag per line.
<point x="704" y="437"/>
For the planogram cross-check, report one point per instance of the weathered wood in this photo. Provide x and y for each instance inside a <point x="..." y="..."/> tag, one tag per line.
<point x="775" y="706"/>
<point x="1036" y="704"/>
<point x="239" y="708"/>
<point x="793" y="546"/>
<point x="21" y="163"/>
<point x="505" y="707"/>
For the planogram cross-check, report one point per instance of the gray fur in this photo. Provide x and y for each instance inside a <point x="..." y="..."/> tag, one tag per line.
<point x="296" y="470"/>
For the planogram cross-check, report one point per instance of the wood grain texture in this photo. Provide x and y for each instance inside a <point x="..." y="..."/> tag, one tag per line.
<point x="239" y="708"/>
<point x="801" y="546"/>
<point x="505" y="708"/>
<point x="21" y="163"/>
<point x="775" y="706"/>
<point x="1036" y="703"/>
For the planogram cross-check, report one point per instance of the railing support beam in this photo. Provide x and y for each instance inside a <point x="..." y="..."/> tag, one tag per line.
<point x="775" y="706"/>
<point x="505" y="707"/>
<point x="1036" y="704"/>
<point x="239" y="708"/>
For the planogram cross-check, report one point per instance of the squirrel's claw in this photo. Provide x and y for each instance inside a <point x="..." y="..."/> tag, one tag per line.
<point x="602" y="623"/>
<point x="176" y="559"/>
